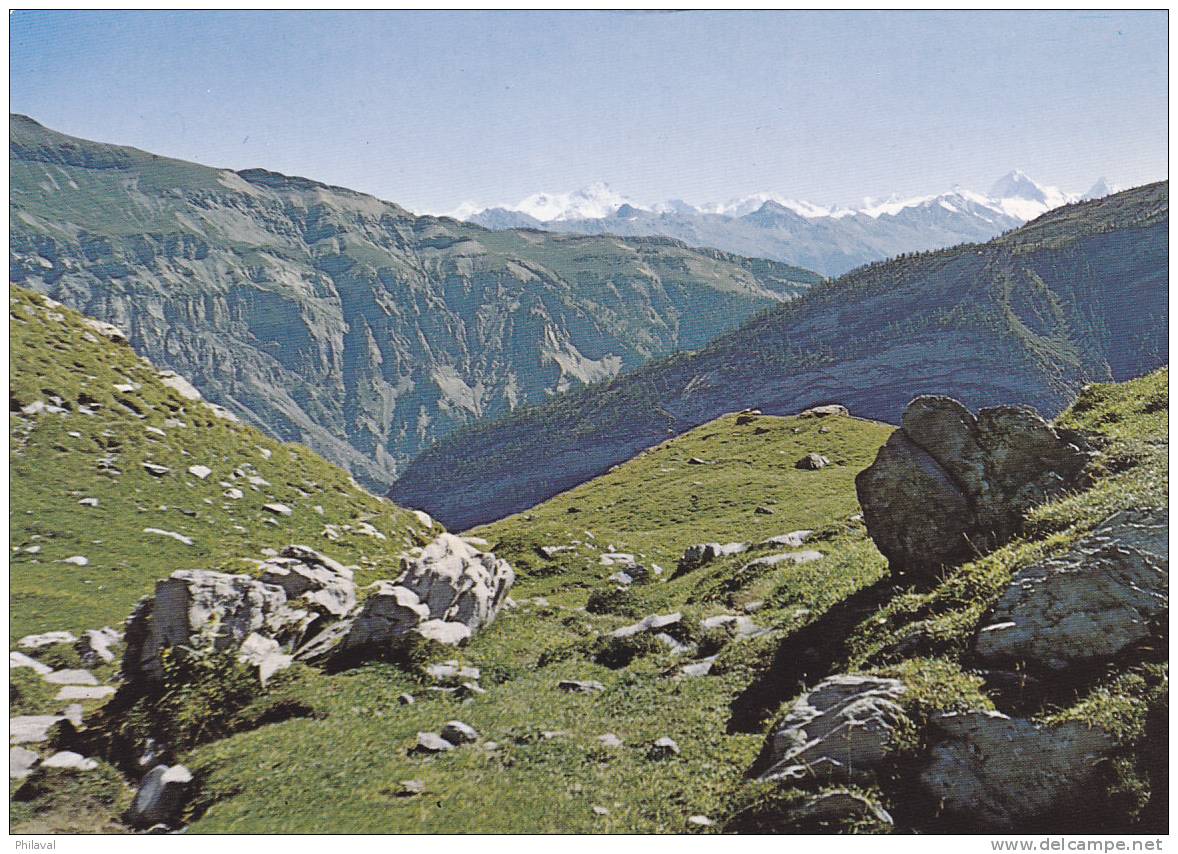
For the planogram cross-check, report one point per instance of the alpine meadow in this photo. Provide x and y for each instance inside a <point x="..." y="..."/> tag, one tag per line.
<point x="682" y="448"/>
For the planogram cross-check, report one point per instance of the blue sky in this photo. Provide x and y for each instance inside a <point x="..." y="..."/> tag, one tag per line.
<point x="433" y="109"/>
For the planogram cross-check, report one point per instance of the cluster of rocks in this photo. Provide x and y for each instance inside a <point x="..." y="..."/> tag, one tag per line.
<point x="945" y="488"/>
<point x="701" y="555"/>
<point x="948" y="486"/>
<point x="303" y="605"/>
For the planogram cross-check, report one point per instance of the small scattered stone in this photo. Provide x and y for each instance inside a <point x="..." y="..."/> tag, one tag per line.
<point x="575" y="686"/>
<point x="457" y="732"/>
<point x="161" y="796"/>
<point x="156" y="470"/>
<point x="233" y="493"/>
<point x="180" y="538"/>
<point x="19" y="659"/>
<point x="431" y="742"/>
<point x="664" y="748"/>
<point x="71" y="677"/>
<point x="201" y="472"/>
<point x="71" y="760"/>
<point x="46" y="639"/>
<point x="76" y="560"/>
<point x="609" y="740"/>
<point x="89" y="502"/>
<point x="21" y="762"/>
<point x="406" y="699"/>
<point x="812" y="462"/>
<point x="700" y="821"/>
<point x="277" y="509"/>
<point x="84" y="692"/>
<point x="764" y="511"/>
<point x="600" y="810"/>
<point x="410" y="788"/>
<point x="24" y="729"/>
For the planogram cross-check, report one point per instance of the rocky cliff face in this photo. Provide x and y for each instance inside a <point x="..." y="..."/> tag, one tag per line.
<point x="347" y="323"/>
<point x="1078" y="295"/>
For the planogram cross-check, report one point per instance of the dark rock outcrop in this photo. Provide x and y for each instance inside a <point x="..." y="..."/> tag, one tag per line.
<point x="948" y="486"/>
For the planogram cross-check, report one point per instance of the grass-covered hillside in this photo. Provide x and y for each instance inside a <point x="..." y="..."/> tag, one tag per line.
<point x="116" y="416"/>
<point x="339" y="757"/>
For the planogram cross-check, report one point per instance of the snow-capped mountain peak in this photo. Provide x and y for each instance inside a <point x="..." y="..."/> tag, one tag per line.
<point x="593" y="202"/>
<point x="1100" y="189"/>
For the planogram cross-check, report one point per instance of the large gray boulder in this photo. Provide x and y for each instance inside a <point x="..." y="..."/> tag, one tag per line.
<point x="196" y="606"/>
<point x="1001" y="773"/>
<point x="457" y="582"/>
<point x="842" y="729"/>
<point x="389" y="611"/>
<point x="1105" y="594"/>
<point x="948" y="485"/>
<point x="320" y="583"/>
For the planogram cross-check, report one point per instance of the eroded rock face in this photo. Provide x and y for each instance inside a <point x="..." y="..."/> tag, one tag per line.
<point x="841" y="729"/>
<point x="1000" y="773"/>
<point x="1103" y="595"/>
<point x="947" y="485"/>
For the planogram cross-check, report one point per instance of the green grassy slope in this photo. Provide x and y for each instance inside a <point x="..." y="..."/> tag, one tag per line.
<point x="56" y="463"/>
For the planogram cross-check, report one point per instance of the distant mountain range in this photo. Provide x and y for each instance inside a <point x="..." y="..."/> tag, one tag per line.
<point x="1079" y="295"/>
<point x="335" y="319"/>
<point x="831" y="240"/>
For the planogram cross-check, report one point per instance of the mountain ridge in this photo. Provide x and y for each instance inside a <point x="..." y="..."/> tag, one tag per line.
<point x="830" y="239"/>
<point x="347" y="322"/>
<point x="1076" y="296"/>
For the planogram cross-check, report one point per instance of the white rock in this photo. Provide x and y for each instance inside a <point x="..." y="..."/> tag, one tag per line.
<point x="69" y="759"/>
<point x="19" y="659"/>
<point x="648" y="624"/>
<point x="155" y="469"/>
<point x="221" y="412"/>
<point x="431" y="742"/>
<point x="76" y="560"/>
<point x="179" y="385"/>
<point x="95" y="645"/>
<point x="457" y="582"/>
<point x="457" y="733"/>
<point x="609" y="740"/>
<point x="792" y="540"/>
<point x="46" y="639"/>
<point x="89" y="502"/>
<point x="193" y="602"/>
<point x="24" y="729"/>
<point x="424" y="518"/>
<point x="390" y="611"/>
<point x="180" y="538"/>
<point x="444" y="632"/>
<point x="21" y="762"/>
<point x="277" y="509"/>
<point x="200" y="472"/>
<point x="664" y="748"/>
<point x="155" y="431"/>
<point x="265" y="654"/>
<point x="233" y="493"/>
<point x="84" y="692"/>
<point x="71" y="677"/>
